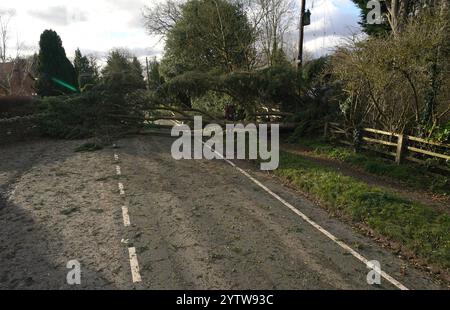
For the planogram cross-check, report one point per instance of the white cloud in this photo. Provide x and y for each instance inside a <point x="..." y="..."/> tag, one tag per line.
<point x="91" y="25"/>
<point x="100" y="25"/>
<point x="59" y="15"/>
<point x="331" y="22"/>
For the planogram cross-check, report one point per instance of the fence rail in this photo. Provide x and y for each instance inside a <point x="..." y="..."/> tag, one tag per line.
<point x="405" y="146"/>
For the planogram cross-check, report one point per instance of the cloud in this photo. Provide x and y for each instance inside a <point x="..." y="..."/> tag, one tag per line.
<point x="134" y="10"/>
<point x="100" y="25"/>
<point x="140" y="52"/>
<point x="91" y="25"/>
<point x="130" y="5"/>
<point x="7" y="11"/>
<point x="331" y="23"/>
<point x="145" y="52"/>
<point x="59" y="15"/>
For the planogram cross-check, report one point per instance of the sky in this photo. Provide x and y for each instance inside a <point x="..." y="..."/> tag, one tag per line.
<point x="332" y="21"/>
<point x="97" y="26"/>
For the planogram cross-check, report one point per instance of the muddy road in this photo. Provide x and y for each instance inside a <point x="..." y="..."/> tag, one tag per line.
<point x="134" y="218"/>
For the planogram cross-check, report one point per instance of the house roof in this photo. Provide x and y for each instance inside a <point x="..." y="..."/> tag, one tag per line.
<point x="6" y="69"/>
<point x="12" y="79"/>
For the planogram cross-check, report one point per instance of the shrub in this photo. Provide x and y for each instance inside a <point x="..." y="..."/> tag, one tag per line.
<point x="100" y="113"/>
<point x="442" y="134"/>
<point x="12" y="106"/>
<point x="66" y="117"/>
<point x="397" y="82"/>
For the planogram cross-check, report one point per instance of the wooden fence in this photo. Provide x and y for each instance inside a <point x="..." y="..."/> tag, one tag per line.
<point x="400" y="147"/>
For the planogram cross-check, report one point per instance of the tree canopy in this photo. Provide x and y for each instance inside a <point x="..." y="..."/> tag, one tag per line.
<point x="372" y="29"/>
<point x="209" y="34"/>
<point x="56" y="74"/>
<point x="85" y="69"/>
<point x="123" y="72"/>
<point x="396" y="13"/>
<point x="155" y="80"/>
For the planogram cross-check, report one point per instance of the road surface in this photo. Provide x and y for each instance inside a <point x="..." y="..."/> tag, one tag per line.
<point x="134" y="218"/>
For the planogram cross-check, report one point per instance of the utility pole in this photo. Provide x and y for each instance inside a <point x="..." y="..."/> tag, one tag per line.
<point x="302" y="35"/>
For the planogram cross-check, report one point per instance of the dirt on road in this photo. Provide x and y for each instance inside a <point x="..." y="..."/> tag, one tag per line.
<point x="194" y="224"/>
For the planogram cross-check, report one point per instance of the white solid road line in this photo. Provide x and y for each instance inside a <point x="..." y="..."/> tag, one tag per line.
<point x="134" y="265"/>
<point x="126" y="216"/>
<point x="308" y="220"/>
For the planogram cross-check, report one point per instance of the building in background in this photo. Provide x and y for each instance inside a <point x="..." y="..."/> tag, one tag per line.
<point x="16" y="79"/>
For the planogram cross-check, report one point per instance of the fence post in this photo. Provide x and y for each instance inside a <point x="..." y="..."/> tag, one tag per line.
<point x="325" y="131"/>
<point x="400" y="148"/>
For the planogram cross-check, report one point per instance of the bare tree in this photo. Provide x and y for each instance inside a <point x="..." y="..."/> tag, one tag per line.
<point x="277" y="21"/>
<point x="404" y="88"/>
<point x="5" y="18"/>
<point x="399" y="11"/>
<point x="272" y="19"/>
<point x="159" y="19"/>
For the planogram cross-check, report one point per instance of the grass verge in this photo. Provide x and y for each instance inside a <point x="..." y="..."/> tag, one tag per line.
<point x="413" y="175"/>
<point x="420" y="229"/>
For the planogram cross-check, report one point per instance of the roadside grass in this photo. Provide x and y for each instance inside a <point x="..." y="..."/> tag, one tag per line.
<point x="423" y="230"/>
<point x="416" y="176"/>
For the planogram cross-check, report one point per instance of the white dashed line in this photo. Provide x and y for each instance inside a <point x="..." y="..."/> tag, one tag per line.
<point x="314" y="224"/>
<point x="121" y="189"/>
<point x="135" y="274"/>
<point x="134" y="265"/>
<point x="126" y="216"/>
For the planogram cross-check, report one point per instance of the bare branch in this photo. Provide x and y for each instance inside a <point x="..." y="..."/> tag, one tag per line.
<point x="4" y="33"/>
<point x="161" y="18"/>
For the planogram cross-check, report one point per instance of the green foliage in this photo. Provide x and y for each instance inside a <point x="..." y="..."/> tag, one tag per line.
<point x="122" y="72"/>
<point x="85" y="70"/>
<point x="396" y="14"/>
<point x="320" y="100"/>
<point x="314" y="69"/>
<point x="210" y="34"/>
<point x="415" y="226"/>
<point x="66" y="116"/>
<point x="155" y="79"/>
<point x="212" y="102"/>
<point x="139" y="71"/>
<point x="280" y="59"/>
<point x="53" y="63"/>
<point x="98" y="113"/>
<point x="106" y="110"/>
<point x="277" y="87"/>
<point x="442" y="133"/>
<point x="374" y="29"/>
